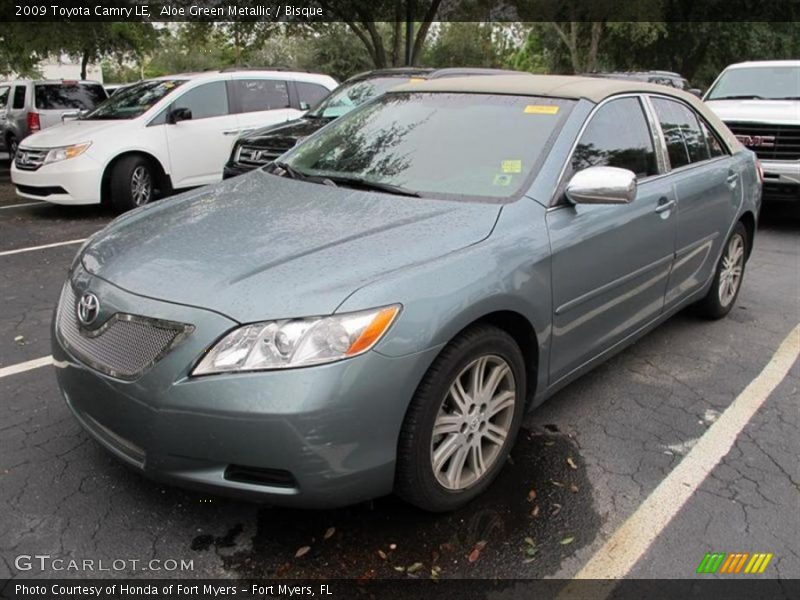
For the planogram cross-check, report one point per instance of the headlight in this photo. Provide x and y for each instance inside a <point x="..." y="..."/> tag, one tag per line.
<point x="297" y="342"/>
<point x="66" y="152"/>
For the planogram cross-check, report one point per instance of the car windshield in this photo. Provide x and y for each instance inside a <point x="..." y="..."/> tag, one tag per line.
<point x="350" y="95"/>
<point x="759" y="83"/>
<point x="68" y="96"/>
<point x="133" y="101"/>
<point x="447" y="145"/>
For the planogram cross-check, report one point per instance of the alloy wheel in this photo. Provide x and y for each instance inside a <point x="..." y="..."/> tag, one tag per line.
<point x="730" y="276"/>
<point x="473" y="422"/>
<point x="141" y="185"/>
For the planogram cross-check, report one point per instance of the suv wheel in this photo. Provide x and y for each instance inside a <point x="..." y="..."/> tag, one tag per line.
<point x="132" y="183"/>
<point x="11" y="145"/>
<point x="462" y="421"/>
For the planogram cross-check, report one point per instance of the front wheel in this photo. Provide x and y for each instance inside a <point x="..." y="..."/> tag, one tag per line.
<point x="132" y="183"/>
<point x="462" y="421"/>
<point x="12" y="145"/>
<point x="728" y="277"/>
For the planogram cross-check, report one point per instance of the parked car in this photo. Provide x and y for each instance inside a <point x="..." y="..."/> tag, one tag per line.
<point x="161" y="134"/>
<point x="760" y="103"/>
<point x="113" y="88"/>
<point x="376" y="310"/>
<point x="268" y="143"/>
<point x="30" y="106"/>
<point x="660" y="77"/>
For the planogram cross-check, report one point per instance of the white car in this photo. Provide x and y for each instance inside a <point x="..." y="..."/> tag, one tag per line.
<point x="760" y="103"/>
<point x="158" y="135"/>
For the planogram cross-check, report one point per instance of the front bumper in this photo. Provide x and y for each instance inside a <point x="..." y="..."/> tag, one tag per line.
<point x="74" y="181"/>
<point x="321" y="436"/>
<point x="781" y="172"/>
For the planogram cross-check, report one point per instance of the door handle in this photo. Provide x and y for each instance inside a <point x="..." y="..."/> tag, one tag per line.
<point x="231" y="132"/>
<point x="664" y="205"/>
<point x="733" y="179"/>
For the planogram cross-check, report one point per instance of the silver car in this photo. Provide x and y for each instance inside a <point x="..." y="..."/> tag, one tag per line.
<point x="29" y="106"/>
<point x="376" y="310"/>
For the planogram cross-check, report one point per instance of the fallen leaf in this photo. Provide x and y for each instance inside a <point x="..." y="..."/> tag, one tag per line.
<point x="414" y="568"/>
<point x="20" y="339"/>
<point x="567" y="540"/>
<point x="556" y="510"/>
<point x="532" y="495"/>
<point x="382" y="554"/>
<point x="531" y="551"/>
<point x="392" y="546"/>
<point x="329" y="532"/>
<point x="571" y="463"/>
<point x="535" y="511"/>
<point x="399" y="569"/>
<point x="529" y="541"/>
<point x="476" y="551"/>
<point x="556" y="483"/>
<point x="302" y="551"/>
<point x="550" y="443"/>
<point x="574" y="488"/>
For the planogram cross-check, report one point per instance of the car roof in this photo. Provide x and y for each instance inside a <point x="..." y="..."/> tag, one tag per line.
<point x="393" y="72"/>
<point x="764" y="63"/>
<point x="594" y="89"/>
<point x="49" y="81"/>
<point x="215" y="74"/>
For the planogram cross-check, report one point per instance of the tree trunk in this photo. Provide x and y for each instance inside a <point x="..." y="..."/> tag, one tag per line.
<point x="424" y="28"/>
<point x="84" y="63"/>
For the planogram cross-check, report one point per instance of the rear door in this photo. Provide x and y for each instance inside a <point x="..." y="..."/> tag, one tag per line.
<point x="4" y="95"/>
<point x="610" y="263"/>
<point x="259" y="102"/>
<point x="708" y="191"/>
<point x="17" y="111"/>
<point x="198" y="147"/>
<point x="53" y="100"/>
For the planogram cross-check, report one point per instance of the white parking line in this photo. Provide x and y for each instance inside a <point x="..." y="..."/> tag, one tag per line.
<point x="21" y="205"/>
<point x="26" y="366"/>
<point x="32" y="248"/>
<point x="628" y="543"/>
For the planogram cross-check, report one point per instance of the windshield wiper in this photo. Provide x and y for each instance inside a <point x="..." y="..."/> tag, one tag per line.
<point x="291" y="171"/>
<point x="373" y="185"/>
<point x="739" y="97"/>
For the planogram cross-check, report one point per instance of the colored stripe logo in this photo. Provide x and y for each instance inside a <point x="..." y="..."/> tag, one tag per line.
<point x="734" y="563"/>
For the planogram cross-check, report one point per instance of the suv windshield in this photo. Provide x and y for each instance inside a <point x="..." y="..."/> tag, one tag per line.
<point x="447" y="145"/>
<point x="68" y="96"/>
<point x="350" y="95"/>
<point x="761" y="83"/>
<point x="130" y="102"/>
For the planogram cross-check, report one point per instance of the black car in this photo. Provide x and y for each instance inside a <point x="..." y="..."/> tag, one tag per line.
<point x="264" y="145"/>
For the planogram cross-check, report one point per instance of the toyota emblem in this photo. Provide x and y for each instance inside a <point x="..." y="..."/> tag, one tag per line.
<point x="88" y="308"/>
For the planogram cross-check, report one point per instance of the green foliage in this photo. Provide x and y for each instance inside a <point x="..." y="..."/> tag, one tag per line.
<point x="471" y="44"/>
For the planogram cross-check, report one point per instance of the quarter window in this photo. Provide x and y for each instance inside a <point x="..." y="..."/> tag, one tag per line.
<point x="206" y="101"/>
<point x="19" y="96"/>
<point x="261" y="94"/>
<point x="686" y="142"/>
<point x="715" y="147"/>
<point x="617" y="136"/>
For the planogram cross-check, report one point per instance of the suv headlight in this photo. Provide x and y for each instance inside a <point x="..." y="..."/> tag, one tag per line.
<point x="297" y="342"/>
<point x="66" y="152"/>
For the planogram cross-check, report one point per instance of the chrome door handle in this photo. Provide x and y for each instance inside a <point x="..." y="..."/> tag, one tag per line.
<point x="664" y="206"/>
<point x="733" y="179"/>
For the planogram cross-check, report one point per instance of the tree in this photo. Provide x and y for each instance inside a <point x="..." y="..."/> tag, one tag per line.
<point x="474" y="44"/>
<point x="90" y="42"/>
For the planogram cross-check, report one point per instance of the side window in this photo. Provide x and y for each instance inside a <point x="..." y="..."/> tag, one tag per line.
<point x="3" y="96"/>
<point x="715" y="147"/>
<point x="206" y="101"/>
<point x="310" y="93"/>
<point x="617" y="136"/>
<point x="686" y="142"/>
<point x="255" y="95"/>
<point x="19" y="96"/>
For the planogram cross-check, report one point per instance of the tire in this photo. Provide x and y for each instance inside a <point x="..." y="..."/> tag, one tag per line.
<point x="417" y="480"/>
<point x="132" y="183"/>
<point x="728" y="277"/>
<point x="11" y="145"/>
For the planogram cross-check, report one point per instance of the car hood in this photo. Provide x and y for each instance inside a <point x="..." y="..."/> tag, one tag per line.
<point x="762" y="111"/>
<point x="70" y="132"/>
<point x="260" y="247"/>
<point x="284" y="135"/>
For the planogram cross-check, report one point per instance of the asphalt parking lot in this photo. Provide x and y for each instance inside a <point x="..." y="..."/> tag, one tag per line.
<point x="586" y="461"/>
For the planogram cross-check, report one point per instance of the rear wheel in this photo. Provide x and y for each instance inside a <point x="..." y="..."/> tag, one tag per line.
<point x="728" y="278"/>
<point x="11" y="145"/>
<point x="462" y="421"/>
<point x="132" y="183"/>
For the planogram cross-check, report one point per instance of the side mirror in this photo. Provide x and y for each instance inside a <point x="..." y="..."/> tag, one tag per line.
<point x="696" y="91"/>
<point x="179" y="114"/>
<point x="602" y="185"/>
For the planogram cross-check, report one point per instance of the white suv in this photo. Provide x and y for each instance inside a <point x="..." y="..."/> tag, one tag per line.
<point x="158" y="135"/>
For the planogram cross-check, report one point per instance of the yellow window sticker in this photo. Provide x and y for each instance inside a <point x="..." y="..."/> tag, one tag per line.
<point x="416" y="79"/>
<point x="511" y="166"/>
<point x="502" y="179"/>
<point x="541" y="109"/>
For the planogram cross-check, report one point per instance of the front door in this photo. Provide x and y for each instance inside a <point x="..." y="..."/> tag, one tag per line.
<point x="610" y="263"/>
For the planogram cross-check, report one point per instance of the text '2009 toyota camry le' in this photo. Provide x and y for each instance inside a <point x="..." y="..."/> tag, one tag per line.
<point x="376" y="310"/>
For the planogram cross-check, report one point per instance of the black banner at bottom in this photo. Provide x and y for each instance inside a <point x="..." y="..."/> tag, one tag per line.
<point x="398" y="589"/>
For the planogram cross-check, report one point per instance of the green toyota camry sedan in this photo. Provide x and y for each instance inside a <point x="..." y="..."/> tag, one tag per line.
<point x="376" y="310"/>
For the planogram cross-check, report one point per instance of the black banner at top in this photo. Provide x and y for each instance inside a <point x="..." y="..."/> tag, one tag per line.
<point x="310" y="11"/>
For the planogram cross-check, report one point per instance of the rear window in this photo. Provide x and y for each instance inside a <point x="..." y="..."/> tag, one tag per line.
<point x="256" y="95"/>
<point x="65" y="96"/>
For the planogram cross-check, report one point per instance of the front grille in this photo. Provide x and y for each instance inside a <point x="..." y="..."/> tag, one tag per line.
<point x="29" y="159"/>
<point x="252" y="156"/>
<point x="125" y="346"/>
<point x="769" y="142"/>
